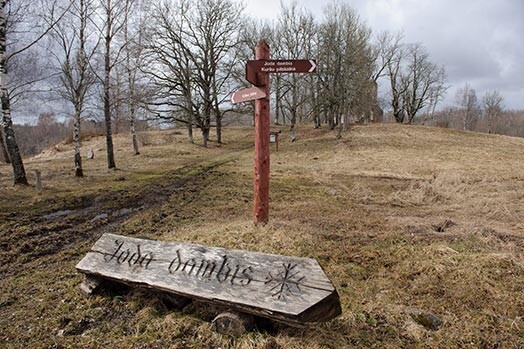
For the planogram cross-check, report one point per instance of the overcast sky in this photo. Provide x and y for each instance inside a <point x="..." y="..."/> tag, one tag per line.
<point x="478" y="41"/>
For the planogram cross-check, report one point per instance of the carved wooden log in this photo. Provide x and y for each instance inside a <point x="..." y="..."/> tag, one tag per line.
<point x="233" y="323"/>
<point x="288" y="289"/>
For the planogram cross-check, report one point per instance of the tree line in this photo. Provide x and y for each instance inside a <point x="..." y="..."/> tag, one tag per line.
<point x="180" y="60"/>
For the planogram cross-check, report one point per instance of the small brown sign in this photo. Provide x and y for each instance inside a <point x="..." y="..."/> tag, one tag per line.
<point x="247" y="94"/>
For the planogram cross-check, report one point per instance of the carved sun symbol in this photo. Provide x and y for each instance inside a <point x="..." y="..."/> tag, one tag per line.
<point x="286" y="283"/>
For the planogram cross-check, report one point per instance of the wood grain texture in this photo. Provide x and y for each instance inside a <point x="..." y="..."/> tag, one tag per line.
<point x="284" y="288"/>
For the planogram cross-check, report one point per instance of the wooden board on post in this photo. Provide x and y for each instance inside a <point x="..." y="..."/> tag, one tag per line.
<point x="287" y="289"/>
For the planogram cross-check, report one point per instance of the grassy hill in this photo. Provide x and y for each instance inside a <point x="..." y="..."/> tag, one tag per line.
<point x="400" y="218"/>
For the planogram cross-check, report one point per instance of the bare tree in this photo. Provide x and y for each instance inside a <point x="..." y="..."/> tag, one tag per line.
<point x="113" y="19"/>
<point x="294" y="37"/>
<point x="466" y="99"/>
<point x="416" y="83"/>
<point x="493" y="106"/>
<point x="345" y="66"/>
<point x="191" y="58"/>
<point x="134" y="51"/>
<point x="422" y="81"/>
<point x="72" y="36"/>
<point x="397" y="88"/>
<point x="13" y="14"/>
<point x="251" y="32"/>
<point x="384" y="52"/>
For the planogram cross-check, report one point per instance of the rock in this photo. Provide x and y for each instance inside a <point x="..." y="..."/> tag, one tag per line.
<point x="414" y="331"/>
<point x="426" y="319"/>
<point x="443" y="226"/>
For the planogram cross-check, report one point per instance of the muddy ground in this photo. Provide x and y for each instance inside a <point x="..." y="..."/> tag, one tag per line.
<point x="401" y="218"/>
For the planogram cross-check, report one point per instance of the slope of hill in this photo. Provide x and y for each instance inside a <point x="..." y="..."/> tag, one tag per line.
<point x="400" y="218"/>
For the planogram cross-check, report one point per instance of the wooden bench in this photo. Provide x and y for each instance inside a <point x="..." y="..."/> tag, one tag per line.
<point x="292" y="290"/>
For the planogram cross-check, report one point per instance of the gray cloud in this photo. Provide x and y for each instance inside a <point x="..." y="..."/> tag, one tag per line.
<point x="478" y="41"/>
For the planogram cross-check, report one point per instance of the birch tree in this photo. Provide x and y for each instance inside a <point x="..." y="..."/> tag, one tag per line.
<point x="3" y="148"/>
<point x="72" y="37"/>
<point x="134" y="33"/>
<point x="15" y="14"/>
<point x="112" y="18"/>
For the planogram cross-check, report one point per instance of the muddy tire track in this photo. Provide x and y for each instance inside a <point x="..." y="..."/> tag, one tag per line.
<point x="68" y="231"/>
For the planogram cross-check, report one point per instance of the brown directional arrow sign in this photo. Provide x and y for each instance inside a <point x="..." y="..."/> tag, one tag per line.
<point x="283" y="288"/>
<point x="247" y="94"/>
<point x="278" y="66"/>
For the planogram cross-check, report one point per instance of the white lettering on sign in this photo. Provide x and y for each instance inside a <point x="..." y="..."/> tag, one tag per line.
<point x="267" y="69"/>
<point x="286" y="69"/>
<point x="285" y="63"/>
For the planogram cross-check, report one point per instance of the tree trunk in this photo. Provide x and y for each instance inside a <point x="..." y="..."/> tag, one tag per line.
<point x="190" y="129"/>
<point x="131" y="83"/>
<point x="277" y="100"/>
<point x="4" y="149"/>
<point x="107" y="105"/>
<point x="219" y="128"/>
<point x="76" y="144"/>
<point x="10" y="140"/>
<point x="346" y="122"/>
<point x="340" y="126"/>
<point x="331" y="119"/>
<point x="133" y="135"/>
<point x="205" y="136"/>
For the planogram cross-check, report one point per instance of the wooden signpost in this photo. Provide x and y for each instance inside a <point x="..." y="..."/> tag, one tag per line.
<point x="257" y="73"/>
<point x="288" y="289"/>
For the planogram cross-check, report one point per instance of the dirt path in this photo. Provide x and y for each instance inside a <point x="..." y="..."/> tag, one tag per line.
<point x="30" y="235"/>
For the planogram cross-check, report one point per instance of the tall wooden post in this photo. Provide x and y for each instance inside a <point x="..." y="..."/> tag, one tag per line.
<point x="261" y="197"/>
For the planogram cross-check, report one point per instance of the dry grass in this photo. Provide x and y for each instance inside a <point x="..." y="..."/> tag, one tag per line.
<point x="399" y="217"/>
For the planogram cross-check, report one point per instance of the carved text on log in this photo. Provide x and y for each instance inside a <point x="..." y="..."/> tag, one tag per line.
<point x="121" y="255"/>
<point x="205" y="268"/>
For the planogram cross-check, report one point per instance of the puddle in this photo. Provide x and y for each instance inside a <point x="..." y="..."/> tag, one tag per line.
<point x="59" y="213"/>
<point x="100" y="216"/>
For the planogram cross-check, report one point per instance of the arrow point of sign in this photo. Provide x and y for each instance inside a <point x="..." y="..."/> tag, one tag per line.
<point x="313" y="65"/>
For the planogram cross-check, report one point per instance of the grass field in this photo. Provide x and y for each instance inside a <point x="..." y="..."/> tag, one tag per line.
<point x="399" y="217"/>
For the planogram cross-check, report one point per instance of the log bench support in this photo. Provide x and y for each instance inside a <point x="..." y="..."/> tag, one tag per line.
<point x="91" y="285"/>
<point x="233" y="323"/>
